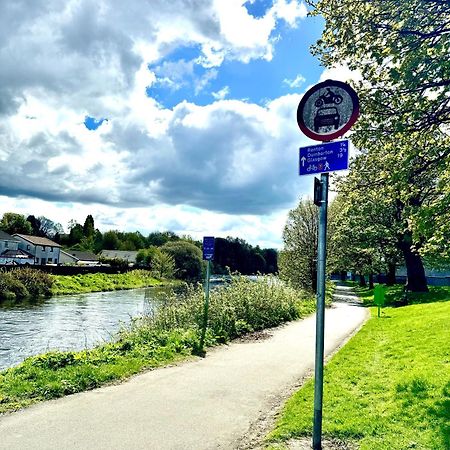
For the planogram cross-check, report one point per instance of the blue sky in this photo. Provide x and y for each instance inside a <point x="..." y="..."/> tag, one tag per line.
<point x="156" y="115"/>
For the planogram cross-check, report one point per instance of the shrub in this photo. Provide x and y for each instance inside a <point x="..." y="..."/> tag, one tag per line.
<point x="22" y="283"/>
<point x="187" y="258"/>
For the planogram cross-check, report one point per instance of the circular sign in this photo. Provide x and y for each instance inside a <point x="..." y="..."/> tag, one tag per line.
<point x="328" y="110"/>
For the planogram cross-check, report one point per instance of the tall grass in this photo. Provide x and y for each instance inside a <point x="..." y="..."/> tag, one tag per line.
<point x="170" y="333"/>
<point x="239" y="307"/>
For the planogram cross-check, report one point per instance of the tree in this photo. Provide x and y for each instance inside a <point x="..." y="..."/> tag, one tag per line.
<point x="76" y="234"/>
<point x="111" y="240"/>
<point x="401" y="50"/>
<point x="298" y="259"/>
<point x="145" y="256"/>
<point x="163" y="265"/>
<point x="89" y="227"/>
<point x="187" y="258"/>
<point x="159" y="238"/>
<point x="362" y="233"/>
<point x="15" y="223"/>
<point x="400" y="47"/>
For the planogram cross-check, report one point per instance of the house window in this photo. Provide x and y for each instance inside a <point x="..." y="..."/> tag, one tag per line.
<point x="28" y="247"/>
<point x="6" y="244"/>
<point x="49" y="260"/>
<point x="51" y="249"/>
<point x="43" y="248"/>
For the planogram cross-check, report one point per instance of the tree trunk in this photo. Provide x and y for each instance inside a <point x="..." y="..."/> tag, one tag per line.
<point x="415" y="272"/>
<point x="390" y="281"/>
<point x="362" y="280"/>
<point x="371" y="286"/>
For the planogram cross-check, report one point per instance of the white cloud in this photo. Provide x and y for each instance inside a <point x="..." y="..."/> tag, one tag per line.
<point x="296" y="82"/>
<point x="220" y="95"/>
<point x="340" y="73"/>
<point x="62" y="62"/>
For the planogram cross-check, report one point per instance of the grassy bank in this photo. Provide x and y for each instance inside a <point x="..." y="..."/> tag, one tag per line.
<point x="389" y="387"/>
<point x="97" y="282"/>
<point x="171" y="334"/>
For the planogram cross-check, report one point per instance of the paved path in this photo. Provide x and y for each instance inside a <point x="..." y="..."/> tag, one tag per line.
<point x="209" y="403"/>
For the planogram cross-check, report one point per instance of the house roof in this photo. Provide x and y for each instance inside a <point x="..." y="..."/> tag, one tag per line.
<point x="36" y="240"/>
<point x="128" y="255"/>
<point x="82" y="255"/>
<point x="21" y="254"/>
<point x="7" y="237"/>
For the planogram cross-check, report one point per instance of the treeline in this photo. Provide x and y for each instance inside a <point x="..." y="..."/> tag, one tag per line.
<point x="164" y="252"/>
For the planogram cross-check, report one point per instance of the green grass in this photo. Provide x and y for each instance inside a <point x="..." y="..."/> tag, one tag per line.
<point x="389" y="387"/>
<point x="98" y="282"/>
<point x="171" y="334"/>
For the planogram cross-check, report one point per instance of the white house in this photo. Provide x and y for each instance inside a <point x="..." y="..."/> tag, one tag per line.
<point x="10" y="252"/>
<point x="7" y="242"/>
<point x="43" y="250"/>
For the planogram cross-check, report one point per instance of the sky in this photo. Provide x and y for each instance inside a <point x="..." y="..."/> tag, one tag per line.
<point x="155" y="115"/>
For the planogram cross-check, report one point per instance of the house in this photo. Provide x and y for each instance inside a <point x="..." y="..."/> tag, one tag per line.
<point x="76" y="257"/>
<point x="127" y="255"/>
<point x="10" y="252"/>
<point x="7" y="242"/>
<point x="43" y="250"/>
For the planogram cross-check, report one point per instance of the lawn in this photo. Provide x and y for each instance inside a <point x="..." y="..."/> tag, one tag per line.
<point x="389" y="387"/>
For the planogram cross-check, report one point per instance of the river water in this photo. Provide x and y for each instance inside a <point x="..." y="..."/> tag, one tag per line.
<point x="69" y="322"/>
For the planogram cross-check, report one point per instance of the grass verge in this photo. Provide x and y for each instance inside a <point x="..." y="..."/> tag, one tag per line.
<point x="170" y="334"/>
<point x="98" y="282"/>
<point x="389" y="387"/>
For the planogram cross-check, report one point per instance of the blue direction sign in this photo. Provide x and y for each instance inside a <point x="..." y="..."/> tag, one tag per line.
<point x="326" y="157"/>
<point x="208" y="248"/>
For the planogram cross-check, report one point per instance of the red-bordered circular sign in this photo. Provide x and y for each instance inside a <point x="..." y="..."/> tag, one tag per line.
<point x="328" y="110"/>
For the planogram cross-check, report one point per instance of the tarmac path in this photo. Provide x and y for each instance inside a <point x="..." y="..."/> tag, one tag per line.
<point x="223" y="401"/>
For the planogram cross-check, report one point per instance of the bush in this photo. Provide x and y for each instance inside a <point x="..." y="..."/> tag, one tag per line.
<point x="187" y="258"/>
<point x="22" y="283"/>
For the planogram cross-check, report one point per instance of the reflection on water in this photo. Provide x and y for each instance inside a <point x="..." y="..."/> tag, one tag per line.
<point x="70" y="322"/>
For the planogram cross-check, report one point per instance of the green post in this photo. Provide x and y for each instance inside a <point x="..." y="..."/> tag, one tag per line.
<point x="206" y="306"/>
<point x="378" y="297"/>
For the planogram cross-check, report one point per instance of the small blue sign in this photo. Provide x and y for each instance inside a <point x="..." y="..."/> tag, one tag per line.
<point x="326" y="157"/>
<point x="208" y="248"/>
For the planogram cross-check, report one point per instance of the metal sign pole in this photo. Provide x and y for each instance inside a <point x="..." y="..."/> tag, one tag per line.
<point x="206" y="306"/>
<point x="320" y="315"/>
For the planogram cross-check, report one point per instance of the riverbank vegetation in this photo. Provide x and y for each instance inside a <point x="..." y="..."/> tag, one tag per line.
<point x="98" y="282"/>
<point x="171" y="333"/>
<point x="23" y="283"/>
<point x="389" y="387"/>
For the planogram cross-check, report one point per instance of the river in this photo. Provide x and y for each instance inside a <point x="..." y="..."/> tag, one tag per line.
<point x="69" y="322"/>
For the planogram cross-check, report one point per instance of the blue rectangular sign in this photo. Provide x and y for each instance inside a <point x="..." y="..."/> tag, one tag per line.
<point x="326" y="157"/>
<point x="208" y="248"/>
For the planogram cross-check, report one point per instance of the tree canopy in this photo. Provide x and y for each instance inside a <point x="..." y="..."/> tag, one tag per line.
<point x="399" y="49"/>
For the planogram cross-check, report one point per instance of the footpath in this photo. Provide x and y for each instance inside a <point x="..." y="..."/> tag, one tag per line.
<point x="225" y="401"/>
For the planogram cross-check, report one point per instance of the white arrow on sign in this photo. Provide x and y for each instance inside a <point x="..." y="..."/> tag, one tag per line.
<point x="303" y="161"/>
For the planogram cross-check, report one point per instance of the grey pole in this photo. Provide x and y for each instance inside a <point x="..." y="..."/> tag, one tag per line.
<point x="320" y="314"/>
<point x="206" y="306"/>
